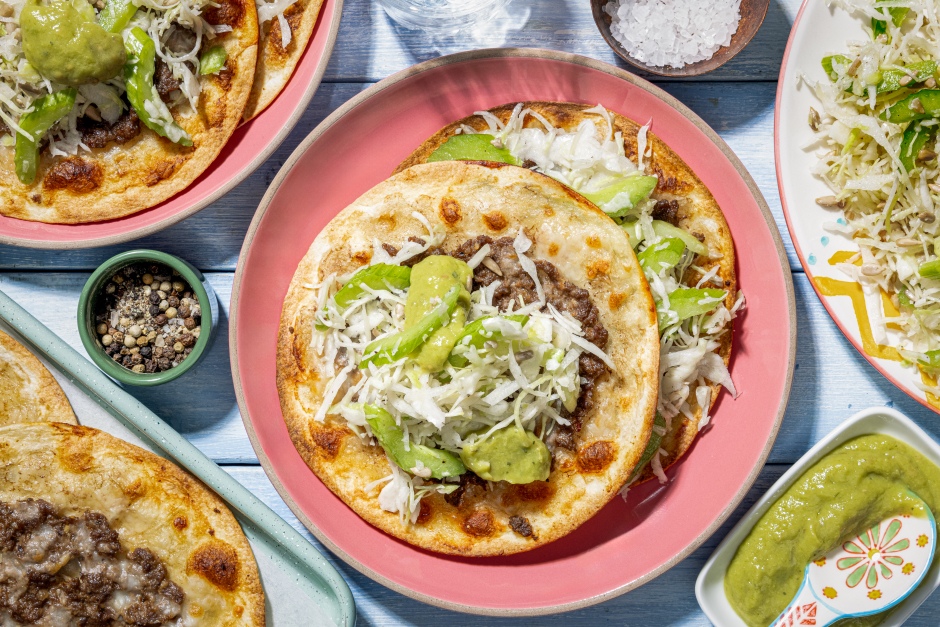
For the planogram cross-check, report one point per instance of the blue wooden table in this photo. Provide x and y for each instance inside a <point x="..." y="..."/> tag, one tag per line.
<point x="831" y="382"/>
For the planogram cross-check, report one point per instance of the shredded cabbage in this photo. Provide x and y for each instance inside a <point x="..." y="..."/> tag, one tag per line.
<point x="165" y="22"/>
<point x="587" y="159"/>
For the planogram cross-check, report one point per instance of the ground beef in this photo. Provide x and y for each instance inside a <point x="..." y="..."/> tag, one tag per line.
<point x="74" y="565"/>
<point x="469" y="482"/>
<point x="667" y="211"/>
<point x="98" y="134"/>
<point x="164" y="81"/>
<point x="516" y="284"/>
<point x="520" y="524"/>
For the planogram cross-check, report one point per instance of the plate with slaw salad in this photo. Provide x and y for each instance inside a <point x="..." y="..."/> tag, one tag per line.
<point x="856" y="150"/>
<point x="631" y="540"/>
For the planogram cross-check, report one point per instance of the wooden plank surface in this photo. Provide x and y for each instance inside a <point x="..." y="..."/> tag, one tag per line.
<point x="370" y="46"/>
<point x="832" y="381"/>
<point x="667" y="600"/>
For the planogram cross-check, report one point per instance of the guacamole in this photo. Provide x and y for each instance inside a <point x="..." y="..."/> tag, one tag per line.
<point x="65" y="44"/>
<point x="431" y="279"/>
<point x="510" y="454"/>
<point x="846" y="492"/>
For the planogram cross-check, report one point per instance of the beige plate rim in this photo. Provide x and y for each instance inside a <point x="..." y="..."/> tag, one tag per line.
<point x="390" y="82"/>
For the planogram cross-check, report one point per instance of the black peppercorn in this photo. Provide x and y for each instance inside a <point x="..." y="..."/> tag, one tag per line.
<point x="154" y="298"/>
<point x="146" y="351"/>
<point x="150" y="365"/>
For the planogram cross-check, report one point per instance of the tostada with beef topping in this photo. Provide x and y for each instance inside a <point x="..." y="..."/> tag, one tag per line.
<point x="95" y="531"/>
<point x="112" y="106"/>
<point x="675" y="226"/>
<point x="468" y="358"/>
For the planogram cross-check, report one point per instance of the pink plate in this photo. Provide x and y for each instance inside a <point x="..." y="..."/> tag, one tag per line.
<point x="249" y="147"/>
<point x="626" y="544"/>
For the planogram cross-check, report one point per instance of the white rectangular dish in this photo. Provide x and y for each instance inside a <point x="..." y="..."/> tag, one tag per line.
<point x="709" y="587"/>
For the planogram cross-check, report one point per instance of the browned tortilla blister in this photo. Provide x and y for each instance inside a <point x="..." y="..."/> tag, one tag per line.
<point x="120" y="179"/>
<point x="587" y="248"/>
<point x="695" y="210"/>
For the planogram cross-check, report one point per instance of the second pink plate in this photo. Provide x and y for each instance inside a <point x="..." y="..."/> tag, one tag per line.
<point x="627" y="543"/>
<point x="250" y="146"/>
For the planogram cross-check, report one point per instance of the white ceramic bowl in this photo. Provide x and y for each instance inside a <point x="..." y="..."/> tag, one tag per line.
<point x="709" y="587"/>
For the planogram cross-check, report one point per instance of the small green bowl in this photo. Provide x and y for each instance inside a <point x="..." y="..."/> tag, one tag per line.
<point x="92" y="290"/>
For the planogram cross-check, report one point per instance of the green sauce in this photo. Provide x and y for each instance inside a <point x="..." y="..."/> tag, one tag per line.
<point x="431" y="279"/>
<point x="510" y="454"/>
<point x="64" y="45"/>
<point x="843" y="494"/>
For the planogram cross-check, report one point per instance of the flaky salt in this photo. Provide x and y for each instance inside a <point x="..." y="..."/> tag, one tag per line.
<point x="673" y="32"/>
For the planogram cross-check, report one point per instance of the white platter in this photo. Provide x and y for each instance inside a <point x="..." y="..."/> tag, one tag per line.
<point x="817" y="32"/>
<point x="709" y="587"/>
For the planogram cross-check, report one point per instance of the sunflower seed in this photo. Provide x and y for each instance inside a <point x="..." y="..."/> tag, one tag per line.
<point x="813" y="119"/>
<point x="871" y="269"/>
<point x="854" y="67"/>
<point x="926" y="155"/>
<point x="917" y="105"/>
<point x="934" y="187"/>
<point x="492" y="265"/>
<point x="927" y="217"/>
<point x="830" y="201"/>
<point x="881" y="205"/>
<point x="930" y="83"/>
<point x="907" y="242"/>
<point x="905" y="81"/>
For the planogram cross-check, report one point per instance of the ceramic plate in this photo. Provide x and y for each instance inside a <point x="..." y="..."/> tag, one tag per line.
<point x="626" y="544"/>
<point x="249" y="147"/>
<point x="819" y="31"/>
<point x="709" y="587"/>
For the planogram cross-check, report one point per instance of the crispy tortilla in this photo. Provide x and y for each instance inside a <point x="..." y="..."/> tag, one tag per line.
<point x="587" y="248"/>
<point x="150" y="502"/>
<point x="698" y="214"/>
<point x="118" y="180"/>
<point x="275" y="62"/>
<point x="28" y="392"/>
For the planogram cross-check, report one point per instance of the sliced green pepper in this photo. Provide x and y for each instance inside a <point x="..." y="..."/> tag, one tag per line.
<point x="880" y="27"/>
<point x="663" y="255"/>
<point x="391" y="437"/>
<point x="212" y="60"/>
<point x="890" y="80"/>
<point x="930" y="269"/>
<point x="687" y="302"/>
<point x="394" y="347"/>
<point x="933" y="359"/>
<point x="138" y="78"/>
<point x="377" y="277"/>
<point x="914" y="140"/>
<point x="116" y="14"/>
<point x="472" y="147"/>
<point x="478" y="336"/>
<point x="637" y="188"/>
<point x="651" y="447"/>
<point x="666" y="230"/>
<point x="901" y="111"/>
<point x="903" y="299"/>
<point x="46" y="111"/>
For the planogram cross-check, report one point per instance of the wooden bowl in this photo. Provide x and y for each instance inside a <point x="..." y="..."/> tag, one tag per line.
<point x="752" y="16"/>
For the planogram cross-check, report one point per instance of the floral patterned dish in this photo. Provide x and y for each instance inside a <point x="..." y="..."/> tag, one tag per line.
<point x="709" y="587"/>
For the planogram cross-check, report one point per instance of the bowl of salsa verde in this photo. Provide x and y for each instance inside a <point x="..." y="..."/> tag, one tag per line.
<point x="851" y="480"/>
